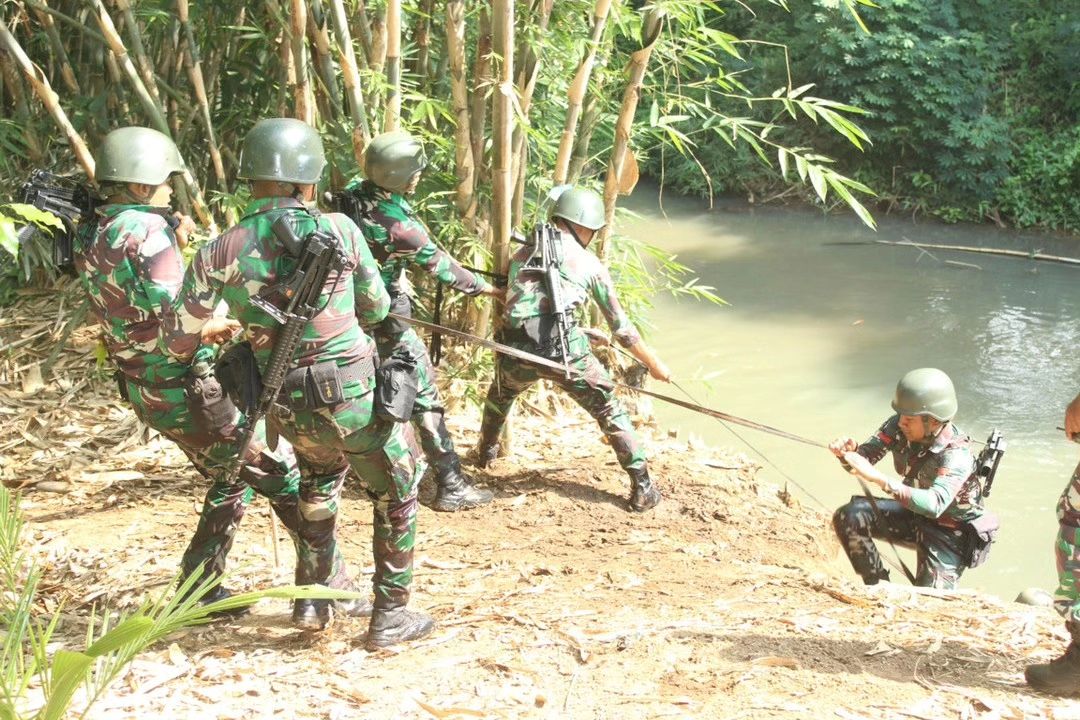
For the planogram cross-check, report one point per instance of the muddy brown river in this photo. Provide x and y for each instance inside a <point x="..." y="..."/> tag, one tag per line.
<point x="820" y="326"/>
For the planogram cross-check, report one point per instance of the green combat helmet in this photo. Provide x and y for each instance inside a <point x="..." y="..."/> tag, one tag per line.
<point x="582" y="207"/>
<point x="927" y="392"/>
<point x="392" y="159"/>
<point x="137" y="155"/>
<point x="282" y="149"/>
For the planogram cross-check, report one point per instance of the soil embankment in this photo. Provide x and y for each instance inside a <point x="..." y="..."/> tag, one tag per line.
<point x="727" y="601"/>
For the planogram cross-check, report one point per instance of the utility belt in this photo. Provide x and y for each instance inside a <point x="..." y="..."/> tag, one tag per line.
<point x="322" y="385"/>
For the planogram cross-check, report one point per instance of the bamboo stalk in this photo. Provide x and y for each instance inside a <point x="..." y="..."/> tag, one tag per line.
<point x="49" y="99"/>
<point x="576" y="92"/>
<point x="422" y="37"/>
<point x="13" y="85"/>
<point x="465" y="190"/>
<point x="67" y="73"/>
<point x="529" y="61"/>
<point x="319" y="35"/>
<point x="361" y="134"/>
<point x="303" y="101"/>
<point x="146" y="70"/>
<point x="502" y="118"/>
<point x="651" y="24"/>
<point x="1032" y="255"/>
<point x="392" y="111"/>
<point x="481" y="79"/>
<point x="193" y="61"/>
<point x="152" y="108"/>
<point x="363" y="25"/>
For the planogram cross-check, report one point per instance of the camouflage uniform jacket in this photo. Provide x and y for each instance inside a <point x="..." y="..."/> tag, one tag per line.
<point x="943" y="486"/>
<point x="130" y="266"/>
<point x="247" y="258"/>
<point x="397" y="237"/>
<point x="583" y="277"/>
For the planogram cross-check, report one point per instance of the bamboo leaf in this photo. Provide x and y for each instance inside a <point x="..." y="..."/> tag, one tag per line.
<point x="9" y="236"/>
<point x="818" y="181"/>
<point x="654" y="114"/>
<point x="800" y="90"/>
<point x="130" y="630"/>
<point x="31" y="214"/>
<point x="800" y="165"/>
<point x="782" y="155"/>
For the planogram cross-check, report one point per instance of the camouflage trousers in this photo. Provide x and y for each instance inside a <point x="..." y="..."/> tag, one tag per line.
<point x="328" y="442"/>
<point x="590" y="387"/>
<point x="1067" y="554"/>
<point x="428" y="414"/>
<point x="272" y="474"/>
<point x="940" y="551"/>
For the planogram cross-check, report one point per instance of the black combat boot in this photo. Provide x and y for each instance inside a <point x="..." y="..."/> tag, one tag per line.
<point x="350" y="608"/>
<point x="456" y="493"/>
<point x="396" y="625"/>
<point x="643" y="495"/>
<point x="1057" y="677"/>
<point x="308" y="614"/>
<point x="488" y="449"/>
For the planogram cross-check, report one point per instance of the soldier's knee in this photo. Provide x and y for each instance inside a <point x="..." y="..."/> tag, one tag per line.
<point x="852" y="516"/>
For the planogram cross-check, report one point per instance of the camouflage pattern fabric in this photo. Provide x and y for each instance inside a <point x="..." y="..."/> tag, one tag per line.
<point x="247" y="260"/>
<point x="129" y="265"/>
<point x="583" y="277"/>
<point x="929" y="512"/>
<point x="590" y="387"/>
<point x="398" y="238"/>
<point x="939" y="550"/>
<point x="428" y="417"/>
<point x="1067" y="554"/>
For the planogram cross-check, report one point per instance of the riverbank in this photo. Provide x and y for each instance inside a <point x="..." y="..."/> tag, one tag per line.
<point x="730" y="600"/>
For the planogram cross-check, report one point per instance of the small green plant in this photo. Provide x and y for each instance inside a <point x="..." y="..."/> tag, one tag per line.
<point x="111" y="644"/>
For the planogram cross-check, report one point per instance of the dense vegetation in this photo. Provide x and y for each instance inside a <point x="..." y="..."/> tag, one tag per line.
<point x="589" y="86"/>
<point x="974" y="106"/>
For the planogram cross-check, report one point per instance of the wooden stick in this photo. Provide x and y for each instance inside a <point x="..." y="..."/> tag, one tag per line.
<point x="1032" y="255"/>
<point x="324" y="65"/>
<point x="49" y="99"/>
<point x="392" y="111"/>
<point x="66" y="71"/>
<point x="576" y="92"/>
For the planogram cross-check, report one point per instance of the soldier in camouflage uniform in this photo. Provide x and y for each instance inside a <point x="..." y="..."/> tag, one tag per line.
<point x="325" y="409"/>
<point x="935" y="500"/>
<point x="129" y="264"/>
<point x="397" y="238"/>
<point x="527" y="325"/>
<point x="1062" y="675"/>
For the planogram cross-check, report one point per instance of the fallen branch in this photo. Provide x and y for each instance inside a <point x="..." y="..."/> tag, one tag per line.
<point x="1031" y="255"/>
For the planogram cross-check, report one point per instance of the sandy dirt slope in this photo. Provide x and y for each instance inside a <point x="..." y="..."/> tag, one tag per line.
<point x="730" y="600"/>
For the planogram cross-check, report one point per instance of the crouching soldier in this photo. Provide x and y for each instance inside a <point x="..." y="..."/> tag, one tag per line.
<point x="936" y="506"/>
<point x="393" y="163"/>
<point x="530" y="324"/>
<point x="129" y="264"/>
<point x="325" y="406"/>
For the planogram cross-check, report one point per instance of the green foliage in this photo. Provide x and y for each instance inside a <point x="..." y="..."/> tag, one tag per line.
<point x="27" y="639"/>
<point x="971" y="106"/>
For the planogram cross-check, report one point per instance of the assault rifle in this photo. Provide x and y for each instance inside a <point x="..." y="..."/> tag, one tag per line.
<point x="70" y="202"/>
<point x="318" y="254"/>
<point x="986" y="464"/>
<point x="546" y="258"/>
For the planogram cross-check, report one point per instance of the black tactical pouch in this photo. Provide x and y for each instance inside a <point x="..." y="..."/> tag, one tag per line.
<point x="323" y="386"/>
<point x="543" y="332"/>
<point x="397" y="383"/>
<point x="212" y="411"/>
<point x="400" y="304"/>
<point x="981" y="534"/>
<point x="239" y="376"/>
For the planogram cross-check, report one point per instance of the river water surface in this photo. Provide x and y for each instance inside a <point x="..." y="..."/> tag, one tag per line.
<point x="820" y="327"/>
